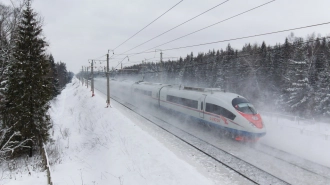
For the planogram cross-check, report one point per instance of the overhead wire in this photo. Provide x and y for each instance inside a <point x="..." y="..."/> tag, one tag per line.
<point x="257" y="35"/>
<point x="146" y="51"/>
<point x="147" y="25"/>
<point x="214" y="24"/>
<point x="242" y="56"/>
<point x="133" y="62"/>
<point x="177" y="26"/>
<point x="121" y="61"/>
<point x="239" y="38"/>
<point x="206" y="27"/>
<point x="97" y="58"/>
<point x="233" y="39"/>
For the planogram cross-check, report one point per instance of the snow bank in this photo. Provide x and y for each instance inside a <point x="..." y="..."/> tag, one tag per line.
<point x="98" y="145"/>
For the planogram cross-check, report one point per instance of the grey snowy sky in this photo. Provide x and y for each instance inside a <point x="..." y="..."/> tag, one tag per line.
<point x="78" y="30"/>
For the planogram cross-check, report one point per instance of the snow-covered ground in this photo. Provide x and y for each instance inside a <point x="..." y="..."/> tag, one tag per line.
<point x="98" y="145"/>
<point x="306" y="139"/>
<point x="303" y="139"/>
<point x="23" y="171"/>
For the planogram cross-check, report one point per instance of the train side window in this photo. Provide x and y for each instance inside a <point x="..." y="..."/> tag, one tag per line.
<point x="201" y="105"/>
<point x="182" y="101"/>
<point x="215" y="109"/>
<point x="147" y="93"/>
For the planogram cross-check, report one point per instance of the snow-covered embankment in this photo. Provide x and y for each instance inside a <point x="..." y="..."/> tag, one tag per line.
<point x="98" y="145"/>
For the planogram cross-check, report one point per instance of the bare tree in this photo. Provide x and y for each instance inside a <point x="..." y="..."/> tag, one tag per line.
<point x="8" y="143"/>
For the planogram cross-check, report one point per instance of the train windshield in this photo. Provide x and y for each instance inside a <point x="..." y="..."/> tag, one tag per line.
<point x="244" y="106"/>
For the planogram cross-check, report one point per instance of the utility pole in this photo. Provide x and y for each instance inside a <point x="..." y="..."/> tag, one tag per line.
<point x="92" y="78"/>
<point x="161" y="66"/>
<point x="82" y="75"/>
<point x="108" y="84"/>
<point x="87" y="77"/>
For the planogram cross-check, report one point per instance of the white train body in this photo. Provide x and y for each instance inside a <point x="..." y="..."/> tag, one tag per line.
<point x="228" y="111"/>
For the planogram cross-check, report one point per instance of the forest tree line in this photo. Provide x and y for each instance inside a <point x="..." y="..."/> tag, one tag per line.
<point x="29" y="79"/>
<point x="292" y="77"/>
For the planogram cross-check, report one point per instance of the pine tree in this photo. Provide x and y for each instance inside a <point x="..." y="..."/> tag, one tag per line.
<point x="199" y="70"/>
<point x="188" y="74"/>
<point x="8" y="24"/>
<point x="179" y="75"/>
<point x="298" y="94"/>
<point x="62" y="74"/>
<point x="294" y="75"/>
<point x="219" y="80"/>
<point x="322" y="92"/>
<point x="5" y="54"/>
<point x="28" y="89"/>
<point x="53" y="76"/>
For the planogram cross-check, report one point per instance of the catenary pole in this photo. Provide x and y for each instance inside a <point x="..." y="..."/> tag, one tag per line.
<point x="121" y="70"/>
<point x="92" y="78"/>
<point x="87" y="77"/>
<point x="161" y="66"/>
<point x="82" y="75"/>
<point x="108" y="84"/>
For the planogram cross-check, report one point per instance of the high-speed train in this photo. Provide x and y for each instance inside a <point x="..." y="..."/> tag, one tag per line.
<point x="231" y="113"/>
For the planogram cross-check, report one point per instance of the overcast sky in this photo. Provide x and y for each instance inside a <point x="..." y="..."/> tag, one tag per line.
<point x="78" y="30"/>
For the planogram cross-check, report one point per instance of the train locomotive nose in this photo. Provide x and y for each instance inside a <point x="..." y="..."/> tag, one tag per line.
<point x="255" y="120"/>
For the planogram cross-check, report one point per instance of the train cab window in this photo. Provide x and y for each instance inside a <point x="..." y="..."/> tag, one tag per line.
<point x="243" y="105"/>
<point x="182" y="101"/>
<point x="216" y="109"/>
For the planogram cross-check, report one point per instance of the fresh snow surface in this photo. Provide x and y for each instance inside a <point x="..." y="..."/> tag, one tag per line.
<point x="307" y="139"/>
<point x="23" y="171"/>
<point x="98" y="145"/>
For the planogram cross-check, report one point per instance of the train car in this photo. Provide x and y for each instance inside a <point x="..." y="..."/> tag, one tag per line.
<point x="145" y="92"/>
<point x="230" y="112"/>
<point x="121" y="89"/>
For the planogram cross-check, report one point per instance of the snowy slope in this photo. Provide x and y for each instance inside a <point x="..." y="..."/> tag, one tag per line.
<point x="97" y="145"/>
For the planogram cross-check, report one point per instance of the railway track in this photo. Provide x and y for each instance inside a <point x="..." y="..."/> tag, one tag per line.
<point x="237" y="165"/>
<point x="296" y="161"/>
<point x="247" y="170"/>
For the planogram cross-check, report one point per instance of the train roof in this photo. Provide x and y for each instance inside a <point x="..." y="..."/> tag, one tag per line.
<point x="225" y="95"/>
<point x="150" y="83"/>
<point x="213" y="92"/>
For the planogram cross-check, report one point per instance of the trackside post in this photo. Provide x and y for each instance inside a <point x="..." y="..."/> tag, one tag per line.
<point x="108" y="84"/>
<point x="82" y="75"/>
<point x="92" y="78"/>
